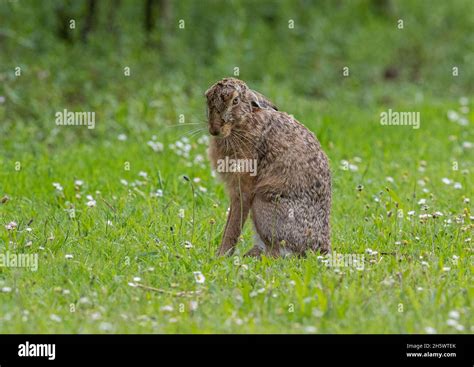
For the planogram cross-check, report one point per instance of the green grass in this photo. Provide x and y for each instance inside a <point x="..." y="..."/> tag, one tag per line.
<point x="93" y="292"/>
<point x="422" y="274"/>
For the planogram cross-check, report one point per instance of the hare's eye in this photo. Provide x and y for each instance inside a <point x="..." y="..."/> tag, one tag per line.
<point x="235" y="101"/>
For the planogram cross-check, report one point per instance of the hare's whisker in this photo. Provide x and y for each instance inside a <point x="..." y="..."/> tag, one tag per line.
<point x="183" y="124"/>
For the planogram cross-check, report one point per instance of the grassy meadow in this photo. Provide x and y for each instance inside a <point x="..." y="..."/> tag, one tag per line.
<point x="126" y="244"/>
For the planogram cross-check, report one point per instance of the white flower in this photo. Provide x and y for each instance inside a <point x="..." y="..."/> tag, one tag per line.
<point x="452" y="322"/>
<point x="317" y="312"/>
<point x="198" y="159"/>
<point x="466" y="200"/>
<point x="96" y="316"/>
<point x="158" y="193"/>
<point x="71" y="212"/>
<point x="123" y="182"/>
<point x="6" y="289"/>
<point x="137" y="279"/>
<point x="155" y="145"/>
<point x="181" y="213"/>
<point x="199" y="277"/>
<point x="91" y="203"/>
<point x="57" y="186"/>
<point x="454" y="315"/>
<point x="411" y="213"/>
<point x="424" y="263"/>
<point x="10" y="226"/>
<point x="188" y="244"/>
<point x="84" y="301"/>
<point x="463" y="121"/>
<point x="122" y="137"/>
<point x="430" y="330"/>
<point x="390" y="179"/>
<point x="446" y="181"/>
<point x="422" y="202"/>
<point x="55" y="318"/>
<point x="467" y="145"/>
<point x="69" y="256"/>
<point x="143" y="174"/>
<point x="453" y="116"/>
<point x="204" y="139"/>
<point x="78" y="182"/>
<point x="446" y="268"/>
<point x="106" y="326"/>
<point x="193" y="305"/>
<point x="167" y="308"/>
<point x="457" y="186"/>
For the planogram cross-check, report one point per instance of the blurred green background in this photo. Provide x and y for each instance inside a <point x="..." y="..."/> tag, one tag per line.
<point x="176" y="49"/>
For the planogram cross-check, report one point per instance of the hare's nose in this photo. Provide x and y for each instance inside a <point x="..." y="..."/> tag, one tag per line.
<point x="214" y="130"/>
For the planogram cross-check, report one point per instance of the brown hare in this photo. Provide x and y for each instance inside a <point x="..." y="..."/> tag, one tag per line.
<point x="277" y="172"/>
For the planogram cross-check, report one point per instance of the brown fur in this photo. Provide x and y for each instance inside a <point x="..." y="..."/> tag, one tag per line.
<point x="290" y="197"/>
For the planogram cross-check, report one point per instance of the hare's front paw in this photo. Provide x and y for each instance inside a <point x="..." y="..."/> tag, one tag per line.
<point x="225" y="250"/>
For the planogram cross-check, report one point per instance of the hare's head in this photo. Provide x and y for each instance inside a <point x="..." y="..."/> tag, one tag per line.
<point x="229" y="103"/>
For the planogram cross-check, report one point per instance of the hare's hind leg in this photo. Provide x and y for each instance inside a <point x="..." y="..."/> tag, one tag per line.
<point x="275" y="227"/>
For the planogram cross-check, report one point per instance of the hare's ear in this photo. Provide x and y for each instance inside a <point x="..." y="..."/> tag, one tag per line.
<point x="252" y="97"/>
<point x="260" y="101"/>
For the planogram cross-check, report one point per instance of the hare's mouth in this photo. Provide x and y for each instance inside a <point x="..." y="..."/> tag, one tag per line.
<point x="226" y="130"/>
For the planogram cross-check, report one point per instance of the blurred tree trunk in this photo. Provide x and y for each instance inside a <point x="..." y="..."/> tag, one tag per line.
<point x="164" y="8"/>
<point x="90" y="19"/>
<point x="384" y="7"/>
<point x="149" y="15"/>
<point x="63" y="17"/>
<point x="114" y="6"/>
<point x="165" y="14"/>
